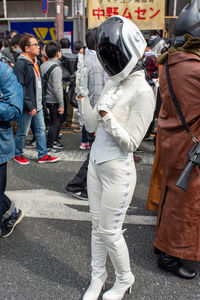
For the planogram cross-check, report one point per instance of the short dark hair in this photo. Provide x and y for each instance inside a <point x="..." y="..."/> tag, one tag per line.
<point x="52" y="48"/>
<point x="25" y="40"/>
<point x="90" y="38"/>
<point x="77" y="46"/>
<point x="65" y="43"/>
<point x="11" y="32"/>
<point x="16" y="39"/>
<point x="58" y="43"/>
<point x="5" y="42"/>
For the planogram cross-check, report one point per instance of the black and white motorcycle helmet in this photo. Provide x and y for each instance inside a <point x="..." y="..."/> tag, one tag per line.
<point x="188" y="21"/>
<point x="120" y="45"/>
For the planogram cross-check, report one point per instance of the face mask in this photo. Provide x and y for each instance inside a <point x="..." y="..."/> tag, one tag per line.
<point x="18" y="50"/>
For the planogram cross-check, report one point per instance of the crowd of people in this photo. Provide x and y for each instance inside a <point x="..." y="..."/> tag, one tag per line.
<point x="117" y="86"/>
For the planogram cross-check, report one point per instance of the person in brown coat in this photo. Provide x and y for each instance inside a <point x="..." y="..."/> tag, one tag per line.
<point x="178" y="222"/>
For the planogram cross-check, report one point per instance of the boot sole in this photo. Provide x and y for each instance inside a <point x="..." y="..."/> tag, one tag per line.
<point x="49" y="161"/>
<point x="76" y="196"/>
<point x="26" y="163"/>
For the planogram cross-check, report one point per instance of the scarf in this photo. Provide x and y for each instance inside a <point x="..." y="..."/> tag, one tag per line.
<point x="191" y="45"/>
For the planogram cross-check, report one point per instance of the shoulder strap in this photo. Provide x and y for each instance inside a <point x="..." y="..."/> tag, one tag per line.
<point x="47" y="74"/>
<point x="175" y="101"/>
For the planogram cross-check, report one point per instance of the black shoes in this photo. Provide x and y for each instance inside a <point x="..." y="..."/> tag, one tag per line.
<point x="9" y="224"/>
<point x="174" y="265"/>
<point x="80" y="195"/>
<point x="53" y="150"/>
<point x="156" y="251"/>
<point x="58" y="145"/>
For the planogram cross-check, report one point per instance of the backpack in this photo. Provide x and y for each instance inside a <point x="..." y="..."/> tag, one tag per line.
<point x="45" y="78"/>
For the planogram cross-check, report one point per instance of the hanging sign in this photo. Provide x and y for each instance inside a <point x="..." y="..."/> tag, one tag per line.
<point x="146" y="14"/>
<point x="44" y="6"/>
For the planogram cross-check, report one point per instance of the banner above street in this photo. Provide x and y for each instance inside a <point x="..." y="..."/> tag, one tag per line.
<point x="146" y="14"/>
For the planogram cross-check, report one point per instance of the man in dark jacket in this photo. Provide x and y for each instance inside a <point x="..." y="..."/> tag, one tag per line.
<point x="28" y="74"/>
<point x="53" y="94"/>
<point x="11" y="105"/>
<point x="96" y="80"/>
<point x="69" y="66"/>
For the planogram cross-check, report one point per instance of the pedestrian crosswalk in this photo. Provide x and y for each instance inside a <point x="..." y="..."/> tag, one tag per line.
<point x="77" y="155"/>
<point x="42" y="203"/>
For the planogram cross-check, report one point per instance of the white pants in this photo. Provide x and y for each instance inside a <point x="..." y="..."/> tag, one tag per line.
<point x="110" y="188"/>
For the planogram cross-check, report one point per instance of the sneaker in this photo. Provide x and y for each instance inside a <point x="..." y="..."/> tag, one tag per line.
<point x="84" y="146"/>
<point x="9" y="224"/>
<point x="77" y="130"/>
<point x="80" y="195"/>
<point x="137" y="159"/>
<point x="64" y="125"/>
<point x="75" y="126"/>
<point x="69" y="126"/>
<point x="53" y="150"/>
<point x="58" y="145"/>
<point x="21" y="160"/>
<point x="48" y="159"/>
<point x="148" y="137"/>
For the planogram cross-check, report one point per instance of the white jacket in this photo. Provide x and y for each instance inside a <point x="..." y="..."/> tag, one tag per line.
<point x="127" y="122"/>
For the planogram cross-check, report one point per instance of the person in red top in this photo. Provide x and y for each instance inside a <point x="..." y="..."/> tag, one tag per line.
<point x="28" y="74"/>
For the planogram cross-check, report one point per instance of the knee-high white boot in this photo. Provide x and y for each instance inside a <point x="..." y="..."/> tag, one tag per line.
<point x="119" y="255"/>
<point x="99" y="274"/>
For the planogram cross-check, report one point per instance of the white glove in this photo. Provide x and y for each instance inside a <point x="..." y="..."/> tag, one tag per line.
<point x="81" y="77"/>
<point x="109" y="100"/>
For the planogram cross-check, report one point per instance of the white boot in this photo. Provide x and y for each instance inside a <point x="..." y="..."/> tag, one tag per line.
<point x="96" y="285"/>
<point x="119" y="289"/>
<point x="99" y="274"/>
<point x="119" y="256"/>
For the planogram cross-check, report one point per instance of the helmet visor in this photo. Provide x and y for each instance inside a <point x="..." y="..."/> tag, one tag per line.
<point x="111" y="49"/>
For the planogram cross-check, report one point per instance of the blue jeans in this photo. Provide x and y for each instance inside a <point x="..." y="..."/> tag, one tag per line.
<point x="24" y="123"/>
<point x="84" y="135"/>
<point x="6" y="206"/>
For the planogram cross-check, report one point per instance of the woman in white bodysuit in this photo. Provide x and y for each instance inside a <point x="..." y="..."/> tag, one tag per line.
<point x="120" y="119"/>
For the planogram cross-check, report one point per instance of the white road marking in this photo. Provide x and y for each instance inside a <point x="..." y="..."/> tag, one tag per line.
<point x="80" y="155"/>
<point x="74" y="155"/>
<point x="53" y="205"/>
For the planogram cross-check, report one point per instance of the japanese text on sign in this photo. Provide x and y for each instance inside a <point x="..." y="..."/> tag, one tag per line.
<point x="146" y="14"/>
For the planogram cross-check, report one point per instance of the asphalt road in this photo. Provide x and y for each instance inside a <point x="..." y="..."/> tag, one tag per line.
<point x="48" y="255"/>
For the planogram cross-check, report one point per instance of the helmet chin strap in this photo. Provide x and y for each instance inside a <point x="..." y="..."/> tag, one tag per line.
<point x="139" y="66"/>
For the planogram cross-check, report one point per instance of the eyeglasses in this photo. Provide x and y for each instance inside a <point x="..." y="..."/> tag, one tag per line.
<point x="35" y="45"/>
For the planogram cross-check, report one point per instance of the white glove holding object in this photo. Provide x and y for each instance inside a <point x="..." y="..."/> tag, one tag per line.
<point x="109" y="100"/>
<point x="81" y="78"/>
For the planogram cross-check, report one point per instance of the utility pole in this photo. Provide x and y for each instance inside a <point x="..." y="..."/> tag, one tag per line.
<point x="59" y="22"/>
<point x="175" y="6"/>
<point x="5" y="8"/>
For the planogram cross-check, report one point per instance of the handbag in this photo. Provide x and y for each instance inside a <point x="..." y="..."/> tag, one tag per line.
<point x="72" y="93"/>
